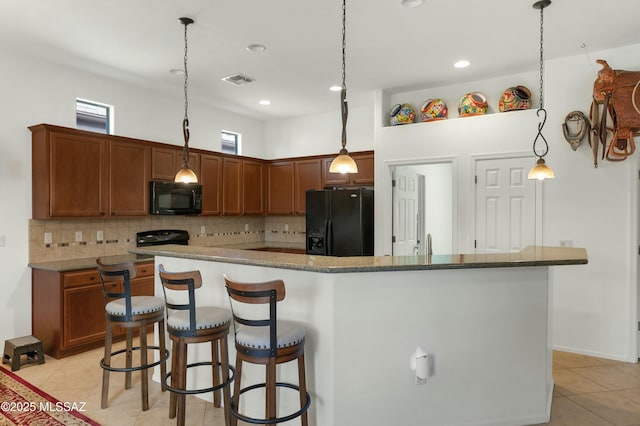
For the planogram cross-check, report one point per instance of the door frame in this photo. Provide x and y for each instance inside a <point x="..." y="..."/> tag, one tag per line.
<point x="387" y="190"/>
<point x="475" y="158"/>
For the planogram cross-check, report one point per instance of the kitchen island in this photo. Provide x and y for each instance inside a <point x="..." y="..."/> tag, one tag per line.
<point x="484" y="319"/>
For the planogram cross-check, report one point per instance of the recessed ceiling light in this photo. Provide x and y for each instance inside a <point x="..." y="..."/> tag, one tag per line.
<point x="256" y="48"/>
<point x="265" y="102"/>
<point x="177" y="71"/>
<point x="335" y="88"/>
<point x="463" y="63"/>
<point x="412" y="3"/>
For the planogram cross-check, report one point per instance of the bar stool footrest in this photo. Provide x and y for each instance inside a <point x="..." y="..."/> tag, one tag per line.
<point x="227" y="382"/>
<point x="135" y="367"/>
<point x="234" y="411"/>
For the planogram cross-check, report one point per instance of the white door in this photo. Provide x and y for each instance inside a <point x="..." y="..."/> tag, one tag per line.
<point x="505" y="205"/>
<point x="405" y="211"/>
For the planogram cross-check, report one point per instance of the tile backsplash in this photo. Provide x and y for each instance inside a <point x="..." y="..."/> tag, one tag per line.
<point x="84" y="238"/>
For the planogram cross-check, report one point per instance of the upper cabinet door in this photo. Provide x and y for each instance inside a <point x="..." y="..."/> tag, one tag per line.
<point x="211" y="179"/>
<point x="253" y="187"/>
<point x="308" y="175"/>
<point x="364" y="177"/>
<point x="166" y="161"/>
<point x="231" y="186"/>
<point x="280" y="181"/>
<point x="129" y="178"/>
<point x="74" y="185"/>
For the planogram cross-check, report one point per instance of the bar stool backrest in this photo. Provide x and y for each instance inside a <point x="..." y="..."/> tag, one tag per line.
<point x="113" y="273"/>
<point x="182" y="281"/>
<point x="270" y="293"/>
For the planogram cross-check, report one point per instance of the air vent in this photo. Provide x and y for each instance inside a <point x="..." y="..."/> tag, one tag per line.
<point x="238" y="79"/>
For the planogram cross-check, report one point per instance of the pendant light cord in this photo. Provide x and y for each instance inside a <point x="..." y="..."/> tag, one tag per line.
<point x="185" y="121"/>
<point x="541" y="110"/>
<point x="344" y="108"/>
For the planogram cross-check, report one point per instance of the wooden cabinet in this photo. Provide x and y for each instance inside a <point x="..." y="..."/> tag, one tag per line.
<point x="253" y="187"/>
<point x="280" y="183"/>
<point x="211" y="178"/>
<point x="242" y="186"/>
<point x="80" y="174"/>
<point x="167" y="160"/>
<point x="128" y="178"/>
<point x="68" y="170"/>
<point x="231" y="186"/>
<point x="68" y="308"/>
<point x="364" y="177"/>
<point x="307" y="175"/>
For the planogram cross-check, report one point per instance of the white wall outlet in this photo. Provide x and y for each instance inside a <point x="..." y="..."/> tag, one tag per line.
<point x="3" y="240"/>
<point x="48" y="238"/>
<point x="78" y="236"/>
<point x="286" y="227"/>
<point x="203" y="230"/>
<point x="246" y="227"/>
<point x="566" y="243"/>
<point x="99" y="236"/>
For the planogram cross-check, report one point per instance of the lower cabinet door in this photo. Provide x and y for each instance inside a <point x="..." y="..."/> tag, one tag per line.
<point x="84" y="319"/>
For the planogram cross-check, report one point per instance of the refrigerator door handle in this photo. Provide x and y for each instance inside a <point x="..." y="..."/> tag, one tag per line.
<point x="328" y="247"/>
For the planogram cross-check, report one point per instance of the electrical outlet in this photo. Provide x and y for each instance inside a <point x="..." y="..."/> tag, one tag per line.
<point x="286" y="227"/>
<point x="203" y="230"/>
<point x="246" y="227"/>
<point x="48" y="238"/>
<point x="78" y="236"/>
<point x="99" y="236"/>
<point x="566" y="243"/>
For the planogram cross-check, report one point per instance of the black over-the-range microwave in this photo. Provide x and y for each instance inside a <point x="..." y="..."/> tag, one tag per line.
<point x="173" y="198"/>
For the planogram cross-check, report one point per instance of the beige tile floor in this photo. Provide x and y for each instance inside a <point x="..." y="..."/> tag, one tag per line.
<point x="588" y="392"/>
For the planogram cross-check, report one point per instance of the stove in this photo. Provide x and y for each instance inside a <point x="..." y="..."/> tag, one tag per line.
<point x="162" y="236"/>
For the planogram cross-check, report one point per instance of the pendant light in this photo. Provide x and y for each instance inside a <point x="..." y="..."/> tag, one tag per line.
<point x="185" y="174"/>
<point x="541" y="171"/>
<point x="343" y="163"/>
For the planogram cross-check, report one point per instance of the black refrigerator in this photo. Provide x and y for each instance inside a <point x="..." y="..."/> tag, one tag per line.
<point x="340" y="222"/>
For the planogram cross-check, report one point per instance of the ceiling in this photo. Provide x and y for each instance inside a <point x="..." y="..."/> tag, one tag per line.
<point x="388" y="46"/>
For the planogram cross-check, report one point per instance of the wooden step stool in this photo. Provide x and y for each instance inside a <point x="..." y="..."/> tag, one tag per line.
<point x="26" y="345"/>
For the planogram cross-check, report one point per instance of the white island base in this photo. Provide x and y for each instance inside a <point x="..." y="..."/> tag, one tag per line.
<point x="486" y="329"/>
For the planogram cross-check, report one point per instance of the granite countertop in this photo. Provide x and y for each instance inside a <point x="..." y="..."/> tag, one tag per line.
<point x="88" y="262"/>
<point x="530" y="256"/>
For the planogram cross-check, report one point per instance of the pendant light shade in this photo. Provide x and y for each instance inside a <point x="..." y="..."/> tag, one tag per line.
<point x="541" y="171"/>
<point x="343" y="163"/>
<point x="185" y="174"/>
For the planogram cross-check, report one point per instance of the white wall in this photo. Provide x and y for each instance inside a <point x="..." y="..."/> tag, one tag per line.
<point x="35" y="91"/>
<point x="319" y="134"/>
<point x="595" y="308"/>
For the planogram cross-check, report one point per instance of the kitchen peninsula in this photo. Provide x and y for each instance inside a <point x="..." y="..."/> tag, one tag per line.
<point x="484" y="319"/>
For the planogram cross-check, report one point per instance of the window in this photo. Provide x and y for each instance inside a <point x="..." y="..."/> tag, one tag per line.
<point x="230" y="142"/>
<point x="93" y="116"/>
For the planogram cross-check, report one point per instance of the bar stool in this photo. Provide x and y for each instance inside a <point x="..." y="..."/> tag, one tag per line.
<point x="268" y="342"/>
<point x="188" y="323"/>
<point x="130" y="312"/>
